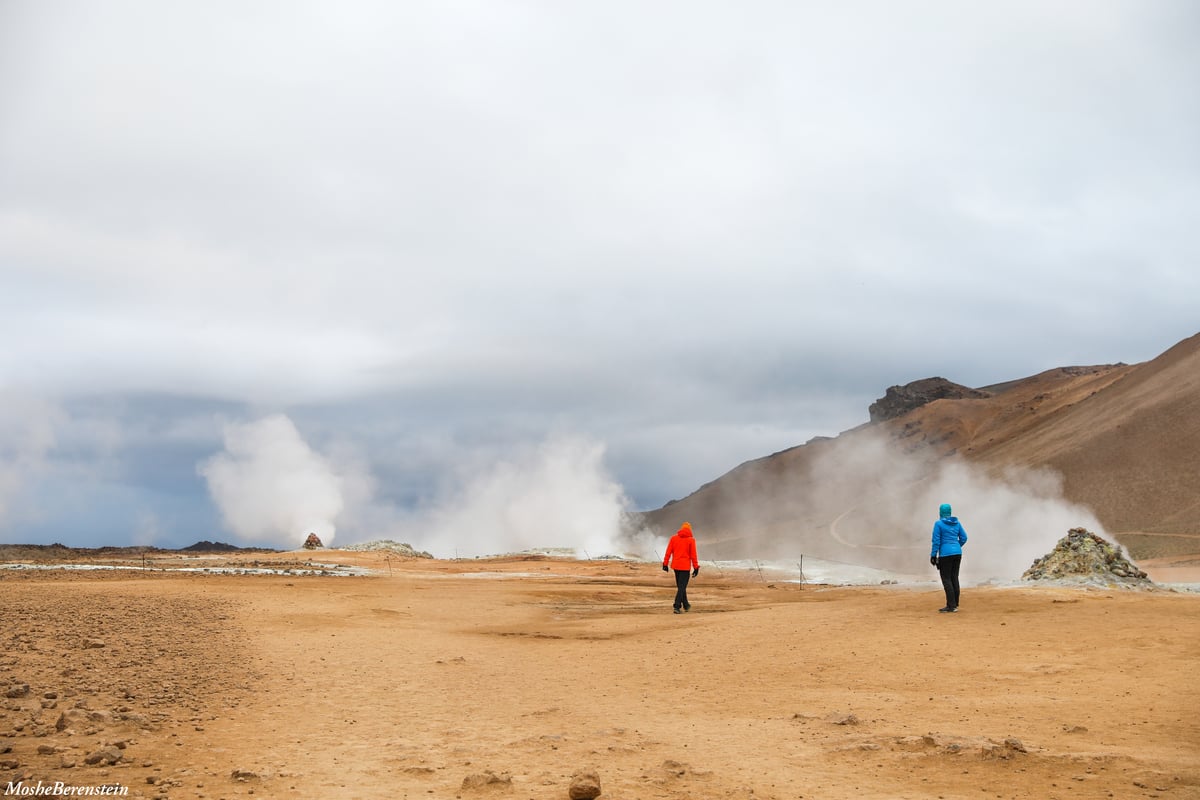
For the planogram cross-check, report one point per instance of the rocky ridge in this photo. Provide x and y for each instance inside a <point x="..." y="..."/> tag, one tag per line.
<point x="899" y="400"/>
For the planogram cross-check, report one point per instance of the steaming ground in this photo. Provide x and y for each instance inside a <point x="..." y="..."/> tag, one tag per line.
<point x="273" y="488"/>
<point x="269" y="484"/>
<point x="865" y="502"/>
<point x="1011" y="518"/>
<point x="868" y="499"/>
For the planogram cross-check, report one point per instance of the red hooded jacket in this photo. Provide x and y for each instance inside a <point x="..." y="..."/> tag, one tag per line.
<point x="681" y="550"/>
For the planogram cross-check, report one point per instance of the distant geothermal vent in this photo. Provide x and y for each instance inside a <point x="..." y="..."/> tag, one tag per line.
<point x="899" y="400"/>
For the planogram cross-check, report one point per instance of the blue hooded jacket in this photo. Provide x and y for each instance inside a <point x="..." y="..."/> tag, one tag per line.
<point x="948" y="537"/>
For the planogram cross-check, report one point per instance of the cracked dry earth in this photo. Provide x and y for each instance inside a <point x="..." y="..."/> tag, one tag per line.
<point x="503" y="678"/>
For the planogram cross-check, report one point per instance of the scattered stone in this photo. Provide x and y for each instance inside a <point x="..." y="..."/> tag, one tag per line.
<point x="487" y="780"/>
<point x="93" y="644"/>
<point x="105" y="756"/>
<point x="913" y="742"/>
<point x="245" y="775"/>
<point x="993" y="750"/>
<point x="17" y="690"/>
<point x="1074" y="729"/>
<point x="842" y="719"/>
<point x="585" y="785"/>
<point x="313" y="542"/>
<point x="1083" y="557"/>
<point x="101" y="718"/>
<point x="9" y="763"/>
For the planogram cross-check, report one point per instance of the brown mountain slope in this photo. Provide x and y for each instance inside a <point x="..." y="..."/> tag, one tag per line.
<point x="1115" y="447"/>
<point x="1132" y="451"/>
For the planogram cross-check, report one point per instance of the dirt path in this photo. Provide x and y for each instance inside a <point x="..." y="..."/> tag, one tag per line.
<point x="405" y="686"/>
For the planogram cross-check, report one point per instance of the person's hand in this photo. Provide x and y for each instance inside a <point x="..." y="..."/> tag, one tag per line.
<point x="665" y="569"/>
<point x="695" y="572"/>
<point x="933" y="561"/>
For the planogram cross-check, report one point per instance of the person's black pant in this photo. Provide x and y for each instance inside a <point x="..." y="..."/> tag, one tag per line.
<point x="948" y="569"/>
<point x="681" y="582"/>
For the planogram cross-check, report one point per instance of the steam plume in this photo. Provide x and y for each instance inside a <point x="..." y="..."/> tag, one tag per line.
<point x="878" y="504"/>
<point x="557" y="494"/>
<point x="270" y="486"/>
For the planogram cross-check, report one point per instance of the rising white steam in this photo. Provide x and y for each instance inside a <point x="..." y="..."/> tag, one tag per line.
<point x="557" y="494"/>
<point x="1011" y="518"/>
<point x="271" y="487"/>
<point x="883" y="502"/>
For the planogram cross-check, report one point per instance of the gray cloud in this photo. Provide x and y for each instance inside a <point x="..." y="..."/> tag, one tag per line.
<point x="692" y="232"/>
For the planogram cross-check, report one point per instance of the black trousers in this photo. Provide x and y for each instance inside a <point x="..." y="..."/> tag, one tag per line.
<point x="948" y="569"/>
<point x="681" y="582"/>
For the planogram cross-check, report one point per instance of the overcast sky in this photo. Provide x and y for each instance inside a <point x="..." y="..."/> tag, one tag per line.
<point x="396" y="244"/>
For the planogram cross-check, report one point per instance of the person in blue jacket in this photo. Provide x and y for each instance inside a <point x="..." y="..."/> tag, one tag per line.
<point x="946" y="554"/>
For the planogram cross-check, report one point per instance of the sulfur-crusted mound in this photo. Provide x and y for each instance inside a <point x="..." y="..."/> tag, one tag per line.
<point x="399" y="548"/>
<point x="1083" y="557"/>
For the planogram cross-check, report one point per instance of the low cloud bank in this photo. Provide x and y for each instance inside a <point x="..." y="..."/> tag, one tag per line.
<point x="28" y="433"/>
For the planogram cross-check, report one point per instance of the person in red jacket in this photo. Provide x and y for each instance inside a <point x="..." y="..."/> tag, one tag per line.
<point x="681" y="556"/>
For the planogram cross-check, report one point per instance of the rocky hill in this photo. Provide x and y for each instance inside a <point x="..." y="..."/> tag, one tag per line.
<point x="899" y="400"/>
<point x="1114" y="446"/>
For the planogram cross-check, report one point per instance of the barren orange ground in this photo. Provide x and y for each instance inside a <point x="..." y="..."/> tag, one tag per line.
<point x="405" y="685"/>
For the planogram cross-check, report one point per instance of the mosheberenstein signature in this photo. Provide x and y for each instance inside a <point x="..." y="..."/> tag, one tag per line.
<point x="61" y="789"/>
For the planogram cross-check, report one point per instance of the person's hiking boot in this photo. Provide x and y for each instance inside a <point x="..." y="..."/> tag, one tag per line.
<point x="945" y="610"/>
<point x="687" y="608"/>
<point x="677" y="611"/>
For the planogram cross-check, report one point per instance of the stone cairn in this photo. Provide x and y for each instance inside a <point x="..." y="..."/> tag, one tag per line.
<point x="313" y="542"/>
<point x="1083" y="557"/>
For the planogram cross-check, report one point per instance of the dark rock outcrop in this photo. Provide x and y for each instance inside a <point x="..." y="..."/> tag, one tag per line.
<point x="899" y="400"/>
<point x="206" y="546"/>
